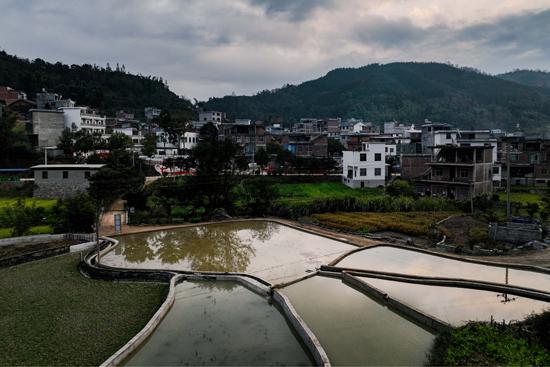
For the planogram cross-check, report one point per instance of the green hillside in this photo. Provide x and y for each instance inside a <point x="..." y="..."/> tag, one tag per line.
<point x="104" y="88"/>
<point x="401" y="91"/>
<point x="531" y="78"/>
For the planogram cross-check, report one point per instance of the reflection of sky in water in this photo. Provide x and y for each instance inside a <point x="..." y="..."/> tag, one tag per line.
<point x="268" y="250"/>
<point x="220" y="323"/>
<point x="391" y="259"/>
<point x="458" y="305"/>
<point x="354" y="329"/>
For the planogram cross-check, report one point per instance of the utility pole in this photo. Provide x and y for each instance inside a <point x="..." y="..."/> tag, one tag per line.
<point x="508" y="182"/>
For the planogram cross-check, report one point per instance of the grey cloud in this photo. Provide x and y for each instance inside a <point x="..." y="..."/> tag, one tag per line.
<point x="295" y="10"/>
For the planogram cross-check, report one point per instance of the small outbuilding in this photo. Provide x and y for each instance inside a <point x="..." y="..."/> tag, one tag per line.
<point x="62" y="180"/>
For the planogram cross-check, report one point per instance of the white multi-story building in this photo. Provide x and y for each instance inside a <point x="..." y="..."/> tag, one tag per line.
<point x="83" y="118"/>
<point x="189" y="140"/>
<point x="365" y="168"/>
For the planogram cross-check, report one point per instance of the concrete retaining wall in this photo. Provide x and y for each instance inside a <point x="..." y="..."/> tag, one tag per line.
<point x="123" y="353"/>
<point x="425" y="320"/>
<point x="446" y="282"/>
<point x="514" y="233"/>
<point x="257" y="285"/>
<point x="308" y="337"/>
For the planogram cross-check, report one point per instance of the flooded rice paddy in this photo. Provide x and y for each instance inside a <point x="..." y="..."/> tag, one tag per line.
<point x="456" y="306"/>
<point x="354" y="329"/>
<point x="220" y="323"/>
<point x="271" y="251"/>
<point x="396" y="260"/>
<point x="223" y="323"/>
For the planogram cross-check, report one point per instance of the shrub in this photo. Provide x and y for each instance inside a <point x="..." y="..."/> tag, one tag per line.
<point x="400" y="187"/>
<point x="74" y="215"/>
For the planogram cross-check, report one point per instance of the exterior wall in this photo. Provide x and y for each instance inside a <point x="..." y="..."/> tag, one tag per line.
<point x="358" y="172"/>
<point x="189" y="140"/>
<point x="55" y="186"/>
<point x="211" y="116"/>
<point x="415" y="165"/>
<point x="47" y="126"/>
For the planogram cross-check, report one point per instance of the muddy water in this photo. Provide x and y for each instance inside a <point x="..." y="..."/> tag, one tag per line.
<point x="456" y="306"/>
<point x="391" y="259"/>
<point x="355" y="330"/>
<point x="268" y="250"/>
<point x="220" y="323"/>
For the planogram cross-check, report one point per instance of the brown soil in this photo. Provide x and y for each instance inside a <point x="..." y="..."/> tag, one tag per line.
<point x="457" y="228"/>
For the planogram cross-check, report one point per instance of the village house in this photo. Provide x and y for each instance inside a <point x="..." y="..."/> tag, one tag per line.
<point x="365" y="168"/>
<point x="305" y="145"/>
<point x="62" y="180"/>
<point x="458" y="172"/>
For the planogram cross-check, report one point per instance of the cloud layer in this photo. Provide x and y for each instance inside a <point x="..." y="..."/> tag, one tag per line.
<point x="216" y="47"/>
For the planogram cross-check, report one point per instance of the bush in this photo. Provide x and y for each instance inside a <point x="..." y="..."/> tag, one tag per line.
<point x="20" y="217"/>
<point x="400" y="187"/>
<point x="74" y="215"/>
<point x="485" y="344"/>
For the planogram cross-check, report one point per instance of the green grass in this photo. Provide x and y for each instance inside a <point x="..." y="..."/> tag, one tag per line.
<point x="481" y="344"/>
<point x="45" y="229"/>
<point x="308" y="192"/>
<point x="521" y="197"/>
<point x="50" y="314"/>
<point x="40" y="203"/>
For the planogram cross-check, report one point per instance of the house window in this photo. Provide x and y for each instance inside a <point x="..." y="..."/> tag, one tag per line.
<point x="514" y="157"/>
<point x="543" y="171"/>
<point x="386" y="149"/>
<point x="87" y="174"/>
<point x="448" y="136"/>
<point x="378" y="171"/>
<point x="65" y="174"/>
<point x="362" y="172"/>
<point x="464" y="173"/>
<point x="44" y="175"/>
<point x="378" y="157"/>
<point x="363" y="157"/>
<point x="438" y="172"/>
<point x="496" y="170"/>
<point x="391" y="150"/>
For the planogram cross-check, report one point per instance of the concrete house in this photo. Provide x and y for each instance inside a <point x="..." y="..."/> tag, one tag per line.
<point x="458" y="172"/>
<point x="62" y="180"/>
<point x="365" y="168"/>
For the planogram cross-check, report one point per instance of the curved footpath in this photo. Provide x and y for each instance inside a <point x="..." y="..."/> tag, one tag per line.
<point x="351" y="277"/>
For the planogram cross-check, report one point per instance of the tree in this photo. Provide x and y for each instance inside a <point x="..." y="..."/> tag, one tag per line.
<point x="119" y="141"/>
<point x="335" y="147"/>
<point x="261" y="157"/>
<point x="67" y="142"/>
<point x="75" y="214"/>
<point x="259" y="196"/>
<point x="149" y="145"/>
<point x="217" y="163"/>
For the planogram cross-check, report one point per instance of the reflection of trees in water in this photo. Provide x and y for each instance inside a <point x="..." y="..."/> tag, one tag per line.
<point x="213" y="285"/>
<point x="135" y="250"/>
<point x="263" y="231"/>
<point x="214" y="248"/>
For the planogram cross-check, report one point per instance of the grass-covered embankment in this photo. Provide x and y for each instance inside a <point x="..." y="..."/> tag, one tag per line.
<point x="410" y="223"/>
<point x="525" y="343"/>
<point x="50" y="314"/>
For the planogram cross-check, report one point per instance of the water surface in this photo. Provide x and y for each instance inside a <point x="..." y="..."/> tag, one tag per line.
<point x="220" y="323"/>
<point x="268" y="250"/>
<point x="355" y="330"/>
<point x="456" y="306"/>
<point x="396" y="260"/>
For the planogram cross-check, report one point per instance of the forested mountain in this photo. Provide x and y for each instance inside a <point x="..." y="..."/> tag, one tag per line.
<point x="89" y="85"/>
<point x="533" y="78"/>
<point x="404" y="92"/>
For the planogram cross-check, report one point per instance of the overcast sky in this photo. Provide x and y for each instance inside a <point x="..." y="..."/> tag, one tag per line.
<point x="210" y="48"/>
